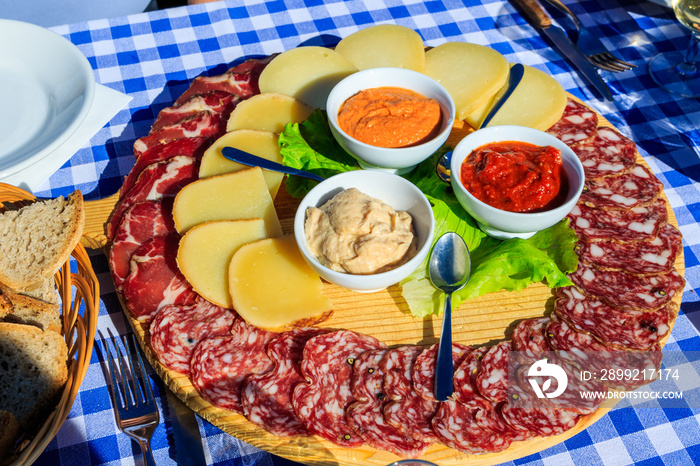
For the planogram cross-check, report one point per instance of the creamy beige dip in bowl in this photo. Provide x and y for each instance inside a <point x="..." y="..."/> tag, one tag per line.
<point x="388" y="188"/>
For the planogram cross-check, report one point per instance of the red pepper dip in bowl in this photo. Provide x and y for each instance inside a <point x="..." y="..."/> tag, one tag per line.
<point x="515" y="180"/>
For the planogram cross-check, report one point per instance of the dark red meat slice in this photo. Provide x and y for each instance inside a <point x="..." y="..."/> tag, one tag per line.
<point x="464" y="378"/>
<point x="140" y="222"/>
<point x="628" y="291"/>
<point x="636" y="224"/>
<point x="220" y="365"/>
<point x="492" y="378"/>
<point x="647" y="257"/>
<point x="613" y="326"/>
<point x="635" y="188"/>
<point x="577" y="124"/>
<point x="424" y="369"/>
<point x="155" y="281"/>
<point x="267" y="398"/>
<point x="157" y="180"/>
<point x="204" y="124"/>
<point x="215" y="102"/>
<point x="192" y="147"/>
<point x="528" y="336"/>
<point x="607" y="153"/>
<point x="177" y="330"/>
<point x="320" y="402"/>
<point x="457" y="426"/>
<point x="366" y="416"/>
<point x="406" y="410"/>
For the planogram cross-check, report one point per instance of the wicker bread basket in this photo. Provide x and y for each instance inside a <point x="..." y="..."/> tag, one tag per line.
<point x="78" y="331"/>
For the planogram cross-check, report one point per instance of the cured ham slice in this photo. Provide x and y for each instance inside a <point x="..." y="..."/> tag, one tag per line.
<point x="155" y="281"/>
<point x="141" y="222"/>
<point x="205" y="124"/>
<point x="217" y="102"/>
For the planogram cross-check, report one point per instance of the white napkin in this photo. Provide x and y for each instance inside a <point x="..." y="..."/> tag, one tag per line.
<point x="105" y="104"/>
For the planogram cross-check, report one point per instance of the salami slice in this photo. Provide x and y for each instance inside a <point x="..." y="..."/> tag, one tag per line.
<point x="628" y="291"/>
<point x="616" y="328"/>
<point x="492" y="379"/>
<point x="267" y="398"/>
<point x="365" y="415"/>
<point x="406" y="411"/>
<point x="638" y="187"/>
<point x="464" y="378"/>
<point x="215" y="102"/>
<point x="424" y="369"/>
<point x="647" y="257"/>
<point x="220" y="365"/>
<point x="578" y="123"/>
<point x="457" y="427"/>
<point x="636" y="224"/>
<point x="177" y="330"/>
<point x="155" y="281"/>
<point x="320" y="402"/>
<point x="529" y="337"/>
<point x="607" y="153"/>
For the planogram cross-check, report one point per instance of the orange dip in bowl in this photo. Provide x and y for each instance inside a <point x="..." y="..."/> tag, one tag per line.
<point x="515" y="176"/>
<point x="390" y="117"/>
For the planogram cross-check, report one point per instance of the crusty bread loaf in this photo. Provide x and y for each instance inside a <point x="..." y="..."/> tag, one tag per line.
<point x="9" y="430"/>
<point x="37" y="239"/>
<point x="45" y="290"/>
<point x="30" y="311"/>
<point x="33" y="369"/>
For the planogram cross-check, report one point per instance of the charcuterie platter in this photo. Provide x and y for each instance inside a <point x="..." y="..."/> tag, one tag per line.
<point x="383" y="316"/>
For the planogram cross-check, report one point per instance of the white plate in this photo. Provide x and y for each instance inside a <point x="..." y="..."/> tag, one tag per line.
<point x="46" y="90"/>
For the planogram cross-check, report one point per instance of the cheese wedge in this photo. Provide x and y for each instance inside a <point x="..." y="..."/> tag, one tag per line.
<point x="306" y="73"/>
<point x="268" y="112"/>
<point x="272" y="287"/>
<point x="260" y="143"/>
<point x="233" y="196"/>
<point x="206" y="250"/>
<point x="537" y="102"/>
<point x="471" y="73"/>
<point x="384" y="45"/>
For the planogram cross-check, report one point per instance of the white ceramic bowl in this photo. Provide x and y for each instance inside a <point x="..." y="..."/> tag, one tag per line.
<point x="500" y="223"/>
<point x="46" y="90"/>
<point x="396" y="160"/>
<point x="393" y="190"/>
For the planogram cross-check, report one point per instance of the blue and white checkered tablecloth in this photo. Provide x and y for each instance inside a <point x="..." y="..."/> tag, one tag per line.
<point x="154" y="56"/>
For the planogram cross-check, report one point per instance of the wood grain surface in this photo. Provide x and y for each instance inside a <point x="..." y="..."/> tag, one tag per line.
<point x="481" y="321"/>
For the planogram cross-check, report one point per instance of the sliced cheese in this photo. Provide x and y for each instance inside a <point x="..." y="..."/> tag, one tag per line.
<point x="206" y="250"/>
<point x="272" y="287"/>
<point x="270" y="111"/>
<point x="471" y="73"/>
<point x="233" y="196"/>
<point x="537" y="102"/>
<point x="306" y="73"/>
<point x="384" y="45"/>
<point x="260" y="143"/>
<point x="475" y="118"/>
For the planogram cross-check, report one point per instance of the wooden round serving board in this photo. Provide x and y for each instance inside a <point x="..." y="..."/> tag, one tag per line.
<point x="481" y="321"/>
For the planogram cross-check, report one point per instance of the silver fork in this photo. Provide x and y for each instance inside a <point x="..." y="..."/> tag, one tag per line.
<point x="591" y="46"/>
<point x="134" y="406"/>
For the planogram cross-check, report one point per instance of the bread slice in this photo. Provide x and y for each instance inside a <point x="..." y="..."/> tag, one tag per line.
<point x="38" y="239"/>
<point x="30" y="311"/>
<point x="9" y="430"/>
<point x="33" y="369"/>
<point x="44" y="290"/>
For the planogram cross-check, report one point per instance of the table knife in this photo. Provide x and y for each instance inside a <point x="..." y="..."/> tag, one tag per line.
<point x="536" y="15"/>
<point x="188" y="442"/>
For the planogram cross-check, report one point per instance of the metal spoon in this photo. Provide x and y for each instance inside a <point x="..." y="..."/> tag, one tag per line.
<point x="246" y="158"/>
<point x="450" y="266"/>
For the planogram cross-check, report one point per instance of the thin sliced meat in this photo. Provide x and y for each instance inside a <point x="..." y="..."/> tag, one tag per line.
<point x="464" y="377"/>
<point x="220" y="365"/>
<point x="156" y="181"/>
<point x="192" y="147"/>
<point x="636" y="224"/>
<point x="204" y="124"/>
<point x="215" y="102"/>
<point x="141" y="222"/>
<point x="406" y="410"/>
<point x="492" y="378"/>
<point x="155" y="281"/>
<point x="638" y="187"/>
<point x="628" y="291"/>
<point x="366" y="416"/>
<point x="607" y="153"/>
<point x="529" y="337"/>
<point x="647" y="257"/>
<point x="457" y="426"/>
<point x="424" y="369"/>
<point x="267" y="398"/>
<point x="177" y="330"/>
<point x="320" y="402"/>
<point x="615" y="327"/>
<point x="578" y="123"/>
